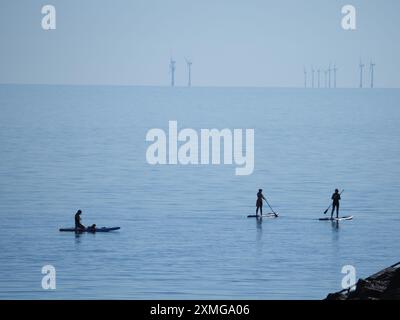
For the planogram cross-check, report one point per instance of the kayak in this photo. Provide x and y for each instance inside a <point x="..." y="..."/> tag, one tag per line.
<point x="103" y="229"/>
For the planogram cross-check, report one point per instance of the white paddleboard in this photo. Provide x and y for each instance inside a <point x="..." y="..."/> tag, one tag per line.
<point x="337" y="219"/>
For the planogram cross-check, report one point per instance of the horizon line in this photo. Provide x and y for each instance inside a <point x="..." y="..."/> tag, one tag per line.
<point x="185" y="86"/>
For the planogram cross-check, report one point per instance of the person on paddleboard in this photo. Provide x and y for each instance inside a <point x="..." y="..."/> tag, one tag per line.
<point x="259" y="203"/>
<point x="78" y="224"/>
<point x="91" y="228"/>
<point x="335" y="203"/>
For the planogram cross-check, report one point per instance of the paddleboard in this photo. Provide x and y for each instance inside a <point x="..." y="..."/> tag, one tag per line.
<point x="336" y="219"/>
<point x="268" y="215"/>
<point x="103" y="229"/>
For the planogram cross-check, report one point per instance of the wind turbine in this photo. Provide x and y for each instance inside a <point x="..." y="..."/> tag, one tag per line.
<point x="189" y="65"/>
<point x="312" y="73"/>
<point x="361" y="73"/>
<point x="319" y="78"/>
<point x="329" y="73"/>
<point x="334" y="75"/>
<point x="326" y="78"/>
<point x="305" y="77"/>
<point x="172" y="71"/>
<point x="371" y="66"/>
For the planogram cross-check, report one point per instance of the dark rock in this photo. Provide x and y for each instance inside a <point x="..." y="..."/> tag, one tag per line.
<point x="336" y="296"/>
<point x="384" y="285"/>
<point x="369" y="289"/>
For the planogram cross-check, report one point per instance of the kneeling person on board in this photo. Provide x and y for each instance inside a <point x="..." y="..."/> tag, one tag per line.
<point x="78" y="224"/>
<point x="335" y="204"/>
<point x="259" y="203"/>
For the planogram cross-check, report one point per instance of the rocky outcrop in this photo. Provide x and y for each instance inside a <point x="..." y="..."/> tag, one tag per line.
<point x="384" y="285"/>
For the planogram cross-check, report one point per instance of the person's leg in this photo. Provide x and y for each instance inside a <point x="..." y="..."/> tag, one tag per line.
<point x="257" y="210"/>
<point x="337" y="210"/>
<point x="333" y="210"/>
<point x="261" y="210"/>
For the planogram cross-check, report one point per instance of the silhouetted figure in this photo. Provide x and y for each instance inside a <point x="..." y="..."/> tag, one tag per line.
<point x="259" y="203"/>
<point x="92" y="228"/>
<point x="78" y="224"/>
<point x="335" y="203"/>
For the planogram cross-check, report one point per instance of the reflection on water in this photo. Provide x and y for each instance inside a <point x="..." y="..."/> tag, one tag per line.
<point x="335" y="225"/>
<point x="259" y="222"/>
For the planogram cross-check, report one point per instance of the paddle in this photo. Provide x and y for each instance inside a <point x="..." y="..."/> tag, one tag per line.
<point x="276" y="215"/>
<point x="331" y="203"/>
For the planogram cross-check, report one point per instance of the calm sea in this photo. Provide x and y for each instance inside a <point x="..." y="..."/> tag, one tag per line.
<point x="184" y="229"/>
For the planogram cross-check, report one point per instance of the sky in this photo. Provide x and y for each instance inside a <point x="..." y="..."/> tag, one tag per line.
<point x="256" y="43"/>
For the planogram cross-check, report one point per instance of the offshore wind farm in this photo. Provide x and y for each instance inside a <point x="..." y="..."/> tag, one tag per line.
<point x="330" y="76"/>
<point x="311" y="76"/>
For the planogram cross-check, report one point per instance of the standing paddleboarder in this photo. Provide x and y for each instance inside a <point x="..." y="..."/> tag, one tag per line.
<point x="335" y="203"/>
<point x="259" y="203"/>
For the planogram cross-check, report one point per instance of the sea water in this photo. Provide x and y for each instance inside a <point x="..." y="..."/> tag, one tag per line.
<point x="184" y="228"/>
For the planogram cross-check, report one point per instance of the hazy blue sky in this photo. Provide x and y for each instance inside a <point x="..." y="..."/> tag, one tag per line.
<point x="231" y="43"/>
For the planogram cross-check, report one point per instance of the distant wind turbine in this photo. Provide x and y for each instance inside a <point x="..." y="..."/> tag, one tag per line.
<point x="361" y="73"/>
<point x="326" y="78"/>
<point x="312" y="73"/>
<point x="319" y="78"/>
<point x="372" y="65"/>
<point x="305" y="78"/>
<point x="172" y="71"/>
<point x="334" y="75"/>
<point x="189" y="65"/>
<point x="329" y="75"/>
